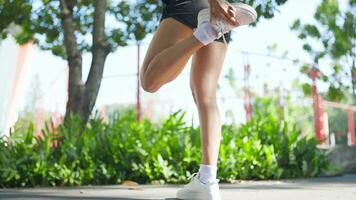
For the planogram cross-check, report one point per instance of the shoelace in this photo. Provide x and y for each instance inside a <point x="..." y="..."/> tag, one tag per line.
<point x="220" y="25"/>
<point x="194" y="174"/>
<point x="191" y="176"/>
<point x="224" y="40"/>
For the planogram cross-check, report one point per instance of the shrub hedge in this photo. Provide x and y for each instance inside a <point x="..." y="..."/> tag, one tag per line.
<point x="109" y="152"/>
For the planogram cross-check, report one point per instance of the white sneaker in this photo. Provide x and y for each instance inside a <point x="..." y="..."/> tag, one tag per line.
<point x="196" y="190"/>
<point x="245" y="15"/>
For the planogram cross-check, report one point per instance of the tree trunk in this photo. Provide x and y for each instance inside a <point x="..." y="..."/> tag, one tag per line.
<point x="82" y="97"/>
<point x="76" y="87"/>
<point x="100" y="50"/>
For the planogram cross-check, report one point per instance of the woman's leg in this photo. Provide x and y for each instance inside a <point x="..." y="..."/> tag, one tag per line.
<point x="205" y="71"/>
<point x="168" y="53"/>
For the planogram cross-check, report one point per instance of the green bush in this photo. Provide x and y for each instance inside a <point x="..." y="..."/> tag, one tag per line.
<point x="123" y="149"/>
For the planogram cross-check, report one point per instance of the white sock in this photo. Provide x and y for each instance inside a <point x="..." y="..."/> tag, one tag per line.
<point x="205" y="33"/>
<point x="207" y="173"/>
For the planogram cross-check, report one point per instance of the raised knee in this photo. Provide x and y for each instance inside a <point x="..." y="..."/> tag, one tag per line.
<point x="148" y="85"/>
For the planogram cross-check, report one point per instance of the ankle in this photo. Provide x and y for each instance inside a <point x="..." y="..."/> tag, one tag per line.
<point x="207" y="173"/>
<point x="205" y="33"/>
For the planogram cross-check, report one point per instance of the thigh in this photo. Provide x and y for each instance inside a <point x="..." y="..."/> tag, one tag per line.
<point x="205" y="71"/>
<point x="168" y="33"/>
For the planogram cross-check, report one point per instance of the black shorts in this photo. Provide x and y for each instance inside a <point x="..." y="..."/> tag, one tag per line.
<point x="186" y="12"/>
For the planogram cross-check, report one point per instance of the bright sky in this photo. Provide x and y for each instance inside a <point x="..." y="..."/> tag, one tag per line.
<point x="176" y="95"/>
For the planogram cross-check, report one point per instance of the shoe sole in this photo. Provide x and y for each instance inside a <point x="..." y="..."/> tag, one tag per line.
<point x="240" y="7"/>
<point x="246" y="9"/>
<point x="196" y="196"/>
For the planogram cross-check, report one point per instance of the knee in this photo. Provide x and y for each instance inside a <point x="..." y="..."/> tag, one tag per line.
<point x="202" y="99"/>
<point x="206" y="101"/>
<point x="148" y="85"/>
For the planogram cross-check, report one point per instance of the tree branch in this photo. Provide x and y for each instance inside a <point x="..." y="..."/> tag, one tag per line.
<point x="68" y="31"/>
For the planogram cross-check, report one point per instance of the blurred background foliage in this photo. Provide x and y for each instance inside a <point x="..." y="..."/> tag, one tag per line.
<point x="331" y="38"/>
<point x="40" y="21"/>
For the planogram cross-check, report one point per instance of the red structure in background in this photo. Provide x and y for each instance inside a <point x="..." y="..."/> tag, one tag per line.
<point x="351" y="125"/>
<point x="318" y="109"/>
<point x="138" y="99"/>
<point x="23" y="56"/>
<point x="350" y="118"/>
<point x="319" y="103"/>
<point x="40" y="118"/>
<point x="247" y="90"/>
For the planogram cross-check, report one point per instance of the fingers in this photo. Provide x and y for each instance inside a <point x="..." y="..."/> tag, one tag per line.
<point x="231" y="12"/>
<point x="224" y="11"/>
<point x="232" y="9"/>
<point x="228" y="16"/>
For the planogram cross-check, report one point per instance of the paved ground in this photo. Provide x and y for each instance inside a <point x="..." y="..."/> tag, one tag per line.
<point x="335" y="188"/>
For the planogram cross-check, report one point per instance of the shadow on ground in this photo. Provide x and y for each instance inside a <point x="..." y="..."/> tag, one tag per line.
<point x="342" y="185"/>
<point x="18" y="195"/>
<point x="10" y="196"/>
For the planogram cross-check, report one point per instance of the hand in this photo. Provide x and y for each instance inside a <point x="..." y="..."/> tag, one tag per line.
<point x="223" y="10"/>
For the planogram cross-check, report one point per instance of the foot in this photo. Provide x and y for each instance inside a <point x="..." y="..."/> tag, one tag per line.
<point x="196" y="190"/>
<point x="244" y="15"/>
<point x="207" y="32"/>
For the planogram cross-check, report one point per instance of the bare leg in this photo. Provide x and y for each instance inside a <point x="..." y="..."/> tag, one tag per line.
<point x="205" y="71"/>
<point x="168" y="53"/>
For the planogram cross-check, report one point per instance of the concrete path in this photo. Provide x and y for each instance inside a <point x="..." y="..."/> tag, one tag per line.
<point x="334" y="188"/>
